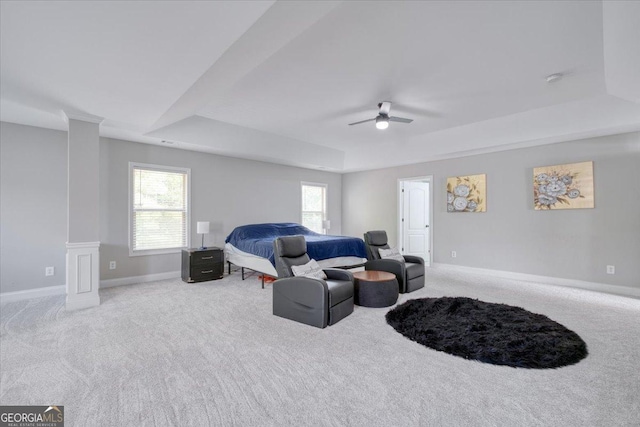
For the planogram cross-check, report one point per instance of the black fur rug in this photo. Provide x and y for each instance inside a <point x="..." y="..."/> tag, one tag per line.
<point x="491" y="333"/>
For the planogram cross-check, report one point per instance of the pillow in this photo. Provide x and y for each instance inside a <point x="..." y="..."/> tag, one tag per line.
<point x="392" y="253"/>
<point x="311" y="269"/>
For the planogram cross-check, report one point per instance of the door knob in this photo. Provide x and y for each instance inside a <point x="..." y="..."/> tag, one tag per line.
<point x="427" y="226"/>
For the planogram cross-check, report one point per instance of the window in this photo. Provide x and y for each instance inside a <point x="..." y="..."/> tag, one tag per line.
<point x="314" y="206"/>
<point x="159" y="213"/>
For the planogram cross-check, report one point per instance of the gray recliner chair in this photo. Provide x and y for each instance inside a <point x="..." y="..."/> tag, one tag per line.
<point x="314" y="302"/>
<point x="410" y="274"/>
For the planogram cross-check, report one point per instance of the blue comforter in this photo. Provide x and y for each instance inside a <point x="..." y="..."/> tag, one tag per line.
<point x="257" y="239"/>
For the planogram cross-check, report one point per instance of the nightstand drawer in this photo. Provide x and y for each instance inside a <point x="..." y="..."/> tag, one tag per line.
<point x="207" y="257"/>
<point x="202" y="273"/>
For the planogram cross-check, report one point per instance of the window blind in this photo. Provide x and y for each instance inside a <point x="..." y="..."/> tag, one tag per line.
<point x="314" y="206"/>
<point x="159" y="217"/>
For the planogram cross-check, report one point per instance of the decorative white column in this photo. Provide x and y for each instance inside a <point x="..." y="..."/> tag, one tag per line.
<point x="83" y="275"/>
<point x="83" y="211"/>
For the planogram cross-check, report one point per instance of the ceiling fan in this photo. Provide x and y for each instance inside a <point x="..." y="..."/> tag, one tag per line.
<point x="383" y="119"/>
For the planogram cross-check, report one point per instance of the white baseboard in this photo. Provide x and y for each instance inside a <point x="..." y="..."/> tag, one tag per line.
<point x="7" y="297"/>
<point x="547" y="280"/>
<point x="110" y="283"/>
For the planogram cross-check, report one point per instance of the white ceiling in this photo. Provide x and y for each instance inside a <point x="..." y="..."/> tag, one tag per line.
<point x="280" y="81"/>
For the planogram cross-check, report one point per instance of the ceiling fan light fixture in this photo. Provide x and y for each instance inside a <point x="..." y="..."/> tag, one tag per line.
<point x="554" y="77"/>
<point x="383" y="118"/>
<point x="382" y="122"/>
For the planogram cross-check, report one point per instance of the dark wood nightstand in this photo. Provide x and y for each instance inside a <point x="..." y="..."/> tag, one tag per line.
<point x="200" y="265"/>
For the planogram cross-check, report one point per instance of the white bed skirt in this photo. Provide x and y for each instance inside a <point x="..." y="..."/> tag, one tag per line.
<point x="263" y="265"/>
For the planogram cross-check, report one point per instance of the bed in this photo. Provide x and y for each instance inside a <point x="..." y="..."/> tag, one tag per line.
<point x="251" y="246"/>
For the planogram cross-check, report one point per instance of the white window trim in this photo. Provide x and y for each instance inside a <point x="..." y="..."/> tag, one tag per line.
<point x="146" y="252"/>
<point x="325" y="214"/>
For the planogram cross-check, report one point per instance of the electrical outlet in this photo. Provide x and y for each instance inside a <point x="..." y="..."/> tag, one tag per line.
<point x="112" y="265"/>
<point x="453" y="254"/>
<point x="49" y="271"/>
<point x="611" y="269"/>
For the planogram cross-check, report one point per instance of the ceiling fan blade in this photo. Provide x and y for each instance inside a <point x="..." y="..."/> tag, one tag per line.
<point x="400" y="119"/>
<point x="385" y="107"/>
<point x="363" y="121"/>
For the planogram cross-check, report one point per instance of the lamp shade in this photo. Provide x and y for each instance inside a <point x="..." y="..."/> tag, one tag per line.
<point x="326" y="224"/>
<point x="203" y="227"/>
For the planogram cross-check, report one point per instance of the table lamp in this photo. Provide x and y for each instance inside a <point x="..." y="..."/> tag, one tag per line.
<point x="203" y="228"/>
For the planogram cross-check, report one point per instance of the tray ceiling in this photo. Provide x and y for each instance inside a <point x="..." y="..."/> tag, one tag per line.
<point x="280" y="81"/>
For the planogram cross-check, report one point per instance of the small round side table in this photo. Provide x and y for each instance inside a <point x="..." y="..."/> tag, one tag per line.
<point x="375" y="288"/>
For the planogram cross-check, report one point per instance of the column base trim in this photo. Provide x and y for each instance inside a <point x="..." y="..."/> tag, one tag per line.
<point x="82" y="302"/>
<point x="83" y="275"/>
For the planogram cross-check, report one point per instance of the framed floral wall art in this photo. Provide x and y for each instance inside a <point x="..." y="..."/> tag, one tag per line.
<point x="567" y="186"/>
<point x="467" y="193"/>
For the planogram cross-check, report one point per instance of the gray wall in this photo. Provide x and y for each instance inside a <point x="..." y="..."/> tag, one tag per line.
<point x="225" y="191"/>
<point x="33" y="207"/>
<point x="511" y="236"/>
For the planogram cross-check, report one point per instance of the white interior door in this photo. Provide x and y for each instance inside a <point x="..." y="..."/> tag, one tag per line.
<point x="415" y="221"/>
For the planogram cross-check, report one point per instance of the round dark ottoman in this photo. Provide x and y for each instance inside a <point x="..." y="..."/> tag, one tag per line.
<point x="375" y="288"/>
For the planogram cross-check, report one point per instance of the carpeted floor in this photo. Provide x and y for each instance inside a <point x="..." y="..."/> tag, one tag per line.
<point x="170" y="353"/>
